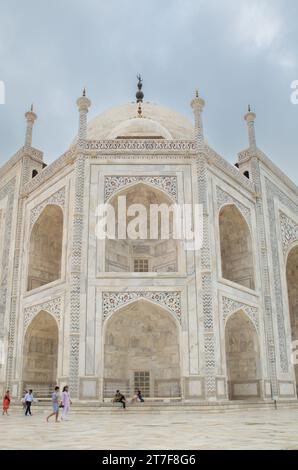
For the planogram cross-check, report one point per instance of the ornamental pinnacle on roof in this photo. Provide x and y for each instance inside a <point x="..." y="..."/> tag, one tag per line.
<point x="139" y="93"/>
<point x="250" y="120"/>
<point x="30" y="119"/>
<point x="83" y="104"/>
<point x="197" y="105"/>
<point x="140" y="96"/>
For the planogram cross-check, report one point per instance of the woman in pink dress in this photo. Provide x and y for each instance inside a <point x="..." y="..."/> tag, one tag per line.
<point x="6" y="403"/>
<point x="65" y="402"/>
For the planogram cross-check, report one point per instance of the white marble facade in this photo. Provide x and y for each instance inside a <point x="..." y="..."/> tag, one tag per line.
<point x="214" y="324"/>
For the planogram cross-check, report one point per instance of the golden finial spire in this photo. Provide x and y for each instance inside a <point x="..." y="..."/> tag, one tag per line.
<point x="139" y="93"/>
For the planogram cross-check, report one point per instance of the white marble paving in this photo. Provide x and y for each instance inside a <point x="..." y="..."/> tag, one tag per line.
<point x="169" y="430"/>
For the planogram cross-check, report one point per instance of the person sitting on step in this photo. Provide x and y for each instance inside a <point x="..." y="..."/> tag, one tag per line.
<point x="119" y="398"/>
<point x="138" y="397"/>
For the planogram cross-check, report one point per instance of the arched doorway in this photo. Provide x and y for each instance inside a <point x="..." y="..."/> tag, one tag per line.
<point x="41" y="354"/>
<point x="143" y="254"/>
<point x="45" y="249"/>
<point x="292" y="283"/>
<point x="141" y="350"/>
<point x="236" y="247"/>
<point x="243" y="357"/>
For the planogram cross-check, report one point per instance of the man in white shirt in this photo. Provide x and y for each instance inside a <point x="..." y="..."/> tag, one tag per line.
<point x="28" y="400"/>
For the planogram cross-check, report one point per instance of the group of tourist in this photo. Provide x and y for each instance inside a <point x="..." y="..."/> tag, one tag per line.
<point x="62" y="402"/>
<point x="120" y="398"/>
<point x="58" y="402"/>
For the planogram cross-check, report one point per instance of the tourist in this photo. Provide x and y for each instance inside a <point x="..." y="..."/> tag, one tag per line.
<point x="6" y="403"/>
<point x="65" y="402"/>
<point x="29" y="400"/>
<point x="55" y="403"/>
<point x="119" y="398"/>
<point x="138" y="397"/>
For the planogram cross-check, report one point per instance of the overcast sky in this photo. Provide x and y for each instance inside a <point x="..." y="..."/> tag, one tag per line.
<point x="235" y="51"/>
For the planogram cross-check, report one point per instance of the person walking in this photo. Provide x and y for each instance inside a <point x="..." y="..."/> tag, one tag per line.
<point x="55" y="403"/>
<point x="6" y="403"/>
<point x="29" y="400"/>
<point x="65" y="402"/>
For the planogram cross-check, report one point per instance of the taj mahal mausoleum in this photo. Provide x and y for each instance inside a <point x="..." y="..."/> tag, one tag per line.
<point x="215" y="324"/>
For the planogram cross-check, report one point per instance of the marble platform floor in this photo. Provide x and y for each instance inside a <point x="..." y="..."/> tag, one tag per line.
<point x="118" y="429"/>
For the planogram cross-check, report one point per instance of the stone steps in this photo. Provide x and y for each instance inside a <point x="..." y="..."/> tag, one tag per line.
<point x="158" y="407"/>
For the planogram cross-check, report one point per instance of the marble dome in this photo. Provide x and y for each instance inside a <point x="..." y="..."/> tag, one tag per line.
<point x="137" y="128"/>
<point x="123" y="122"/>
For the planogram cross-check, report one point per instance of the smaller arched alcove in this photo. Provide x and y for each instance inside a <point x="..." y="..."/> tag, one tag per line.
<point x="45" y="248"/>
<point x="236" y="247"/>
<point x="40" y="353"/>
<point x="292" y="284"/>
<point x="242" y="356"/>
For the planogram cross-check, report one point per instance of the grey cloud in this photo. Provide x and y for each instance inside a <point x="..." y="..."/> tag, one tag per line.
<point x="50" y="50"/>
